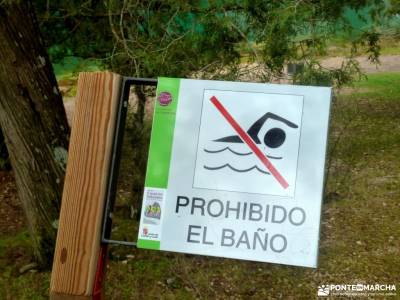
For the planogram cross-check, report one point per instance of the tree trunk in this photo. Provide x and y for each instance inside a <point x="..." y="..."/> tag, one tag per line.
<point x="4" y="160"/>
<point x="34" y="123"/>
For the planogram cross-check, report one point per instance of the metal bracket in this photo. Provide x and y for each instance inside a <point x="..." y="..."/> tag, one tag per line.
<point x="127" y="82"/>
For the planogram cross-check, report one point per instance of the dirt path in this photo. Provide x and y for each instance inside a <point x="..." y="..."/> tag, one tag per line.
<point x="388" y="63"/>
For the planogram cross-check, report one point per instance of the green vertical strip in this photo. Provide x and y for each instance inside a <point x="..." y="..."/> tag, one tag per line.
<point x="162" y="134"/>
<point x="148" y="244"/>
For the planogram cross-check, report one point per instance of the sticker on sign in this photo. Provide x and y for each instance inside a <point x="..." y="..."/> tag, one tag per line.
<point x="236" y="170"/>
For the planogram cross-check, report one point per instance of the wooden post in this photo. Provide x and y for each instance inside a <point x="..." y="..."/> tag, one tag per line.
<point x="77" y="253"/>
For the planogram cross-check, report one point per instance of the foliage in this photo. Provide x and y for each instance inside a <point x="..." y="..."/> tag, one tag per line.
<point x="175" y="38"/>
<point x="68" y="67"/>
<point x="74" y="28"/>
<point x="207" y="39"/>
<point x="395" y="7"/>
<point x="313" y="73"/>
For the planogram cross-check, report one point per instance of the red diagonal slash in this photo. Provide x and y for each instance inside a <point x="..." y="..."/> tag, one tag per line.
<point x="249" y="141"/>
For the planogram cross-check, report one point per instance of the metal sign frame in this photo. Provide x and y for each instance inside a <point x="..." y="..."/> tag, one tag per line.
<point x="127" y="83"/>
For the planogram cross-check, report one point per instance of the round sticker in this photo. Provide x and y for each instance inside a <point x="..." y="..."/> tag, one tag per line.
<point x="164" y="98"/>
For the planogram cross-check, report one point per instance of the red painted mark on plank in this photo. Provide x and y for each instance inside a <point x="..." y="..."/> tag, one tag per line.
<point x="249" y="141"/>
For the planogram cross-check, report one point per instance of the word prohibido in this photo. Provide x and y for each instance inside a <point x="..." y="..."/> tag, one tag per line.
<point x="240" y="210"/>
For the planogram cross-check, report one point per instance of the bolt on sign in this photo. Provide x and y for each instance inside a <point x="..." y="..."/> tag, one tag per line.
<point x="236" y="170"/>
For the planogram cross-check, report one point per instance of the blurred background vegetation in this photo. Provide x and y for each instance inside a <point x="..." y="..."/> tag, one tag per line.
<point x="260" y="41"/>
<point x="213" y="38"/>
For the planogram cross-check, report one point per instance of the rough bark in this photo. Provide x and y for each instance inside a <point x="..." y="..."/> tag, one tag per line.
<point x="34" y="123"/>
<point x="4" y="158"/>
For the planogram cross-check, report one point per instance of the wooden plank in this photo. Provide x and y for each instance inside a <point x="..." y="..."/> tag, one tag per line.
<point x="78" y="239"/>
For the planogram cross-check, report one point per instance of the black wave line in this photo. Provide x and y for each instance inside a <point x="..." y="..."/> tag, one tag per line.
<point x="229" y="149"/>
<point x="237" y="153"/>
<point x="234" y="169"/>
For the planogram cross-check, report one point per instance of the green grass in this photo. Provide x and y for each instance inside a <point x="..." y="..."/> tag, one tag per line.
<point x="359" y="236"/>
<point x="15" y="252"/>
<point x="384" y="86"/>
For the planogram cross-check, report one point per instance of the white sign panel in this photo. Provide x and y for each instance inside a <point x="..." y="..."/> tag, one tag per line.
<point x="236" y="170"/>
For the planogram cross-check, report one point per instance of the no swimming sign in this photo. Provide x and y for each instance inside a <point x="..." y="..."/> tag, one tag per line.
<point x="236" y="170"/>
